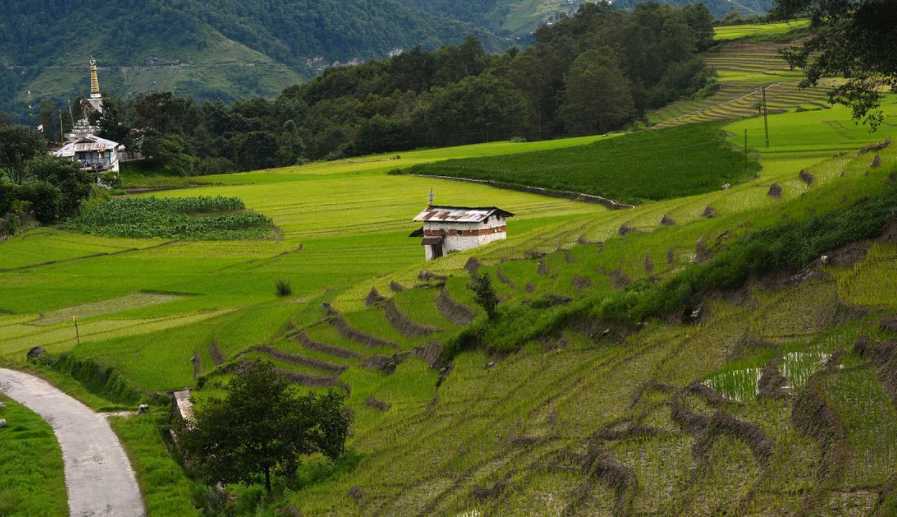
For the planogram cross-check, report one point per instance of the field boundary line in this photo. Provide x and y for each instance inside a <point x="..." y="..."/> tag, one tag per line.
<point x="85" y="257"/>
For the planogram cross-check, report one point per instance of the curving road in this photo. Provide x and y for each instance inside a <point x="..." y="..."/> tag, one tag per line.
<point x="98" y="475"/>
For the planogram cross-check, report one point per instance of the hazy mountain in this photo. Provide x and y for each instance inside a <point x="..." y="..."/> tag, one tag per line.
<point x="212" y="49"/>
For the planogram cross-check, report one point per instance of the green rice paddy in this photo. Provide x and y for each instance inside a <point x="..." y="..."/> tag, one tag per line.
<point x="501" y="434"/>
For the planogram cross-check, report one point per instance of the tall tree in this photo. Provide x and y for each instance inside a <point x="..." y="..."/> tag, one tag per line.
<point x="18" y="145"/>
<point x="598" y="97"/>
<point x="262" y="426"/>
<point x="855" y="39"/>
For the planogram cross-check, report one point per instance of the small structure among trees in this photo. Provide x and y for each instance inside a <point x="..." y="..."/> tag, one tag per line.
<point x="92" y="153"/>
<point x="449" y="229"/>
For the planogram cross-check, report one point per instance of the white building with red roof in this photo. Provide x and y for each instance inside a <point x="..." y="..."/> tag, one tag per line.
<point x="448" y="229"/>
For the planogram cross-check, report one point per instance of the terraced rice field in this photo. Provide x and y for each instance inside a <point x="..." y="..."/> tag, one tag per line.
<point x="758" y="30"/>
<point x="496" y="434"/>
<point x="744" y="68"/>
<point x="587" y="421"/>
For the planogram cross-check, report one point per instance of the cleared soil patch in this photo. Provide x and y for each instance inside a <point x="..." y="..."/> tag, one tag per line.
<point x="88" y="310"/>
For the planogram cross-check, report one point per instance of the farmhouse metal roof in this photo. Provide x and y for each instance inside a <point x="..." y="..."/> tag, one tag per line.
<point x="86" y="144"/>
<point x="459" y="214"/>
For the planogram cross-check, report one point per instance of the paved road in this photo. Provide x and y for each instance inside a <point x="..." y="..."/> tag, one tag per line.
<point x="98" y="476"/>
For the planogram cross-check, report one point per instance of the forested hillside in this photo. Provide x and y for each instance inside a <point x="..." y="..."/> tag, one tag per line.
<point x="219" y="49"/>
<point x="639" y="60"/>
<point x="227" y="50"/>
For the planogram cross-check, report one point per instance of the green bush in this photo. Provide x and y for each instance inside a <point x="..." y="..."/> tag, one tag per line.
<point x="283" y="288"/>
<point x="98" y="379"/>
<point x="45" y="200"/>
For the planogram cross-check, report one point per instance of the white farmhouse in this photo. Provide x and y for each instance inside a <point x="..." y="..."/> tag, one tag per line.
<point x="92" y="153"/>
<point x="454" y="228"/>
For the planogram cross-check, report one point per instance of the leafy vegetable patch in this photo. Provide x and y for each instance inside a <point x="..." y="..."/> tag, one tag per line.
<point x="191" y="218"/>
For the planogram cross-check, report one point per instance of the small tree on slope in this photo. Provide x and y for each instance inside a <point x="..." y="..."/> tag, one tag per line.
<point x="261" y="426"/>
<point x="484" y="294"/>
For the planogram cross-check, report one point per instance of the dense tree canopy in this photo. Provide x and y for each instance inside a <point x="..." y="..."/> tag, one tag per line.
<point x="853" y="39"/>
<point x="597" y="71"/>
<point x="35" y="184"/>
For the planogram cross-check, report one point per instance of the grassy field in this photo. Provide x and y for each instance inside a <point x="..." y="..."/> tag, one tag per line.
<point x="31" y="477"/>
<point x="648" y="165"/>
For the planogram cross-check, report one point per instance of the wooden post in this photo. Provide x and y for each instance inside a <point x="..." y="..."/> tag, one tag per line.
<point x="765" y="117"/>
<point x="77" y="331"/>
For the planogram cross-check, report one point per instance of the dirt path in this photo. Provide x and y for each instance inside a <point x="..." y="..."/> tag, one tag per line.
<point x="98" y="476"/>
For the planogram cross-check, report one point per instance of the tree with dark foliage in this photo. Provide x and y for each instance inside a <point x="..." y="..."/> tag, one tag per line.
<point x="262" y="427"/>
<point x="484" y="294"/>
<point x="855" y="39"/>
<point x="18" y="145"/>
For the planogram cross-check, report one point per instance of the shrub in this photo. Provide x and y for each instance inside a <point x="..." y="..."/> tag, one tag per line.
<point x="101" y="380"/>
<point x="45" y="200"/>
<point x="283" y="288"/>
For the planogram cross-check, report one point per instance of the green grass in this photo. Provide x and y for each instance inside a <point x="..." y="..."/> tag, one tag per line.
<point x="758" y="30"/>
<point x="31" y="478"/>
<point x="641" y="166"/>
<point x="166" y="489"/>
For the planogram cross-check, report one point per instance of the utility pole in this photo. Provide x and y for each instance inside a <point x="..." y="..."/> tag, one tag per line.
<point x="77" y="332"/>
<point x="766" y="116"/>
<point x="745" y="151"/>
<point x="61" y="131"/>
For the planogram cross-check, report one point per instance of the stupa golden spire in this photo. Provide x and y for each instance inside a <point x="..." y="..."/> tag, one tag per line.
<point x="94" y="80"/>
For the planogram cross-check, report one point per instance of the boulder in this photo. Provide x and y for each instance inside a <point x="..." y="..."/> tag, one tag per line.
<point x="356" y="493"/>
<point x="2" y="423"/>
<point x="807" y="177"/>
<point x="36" y="353"/>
